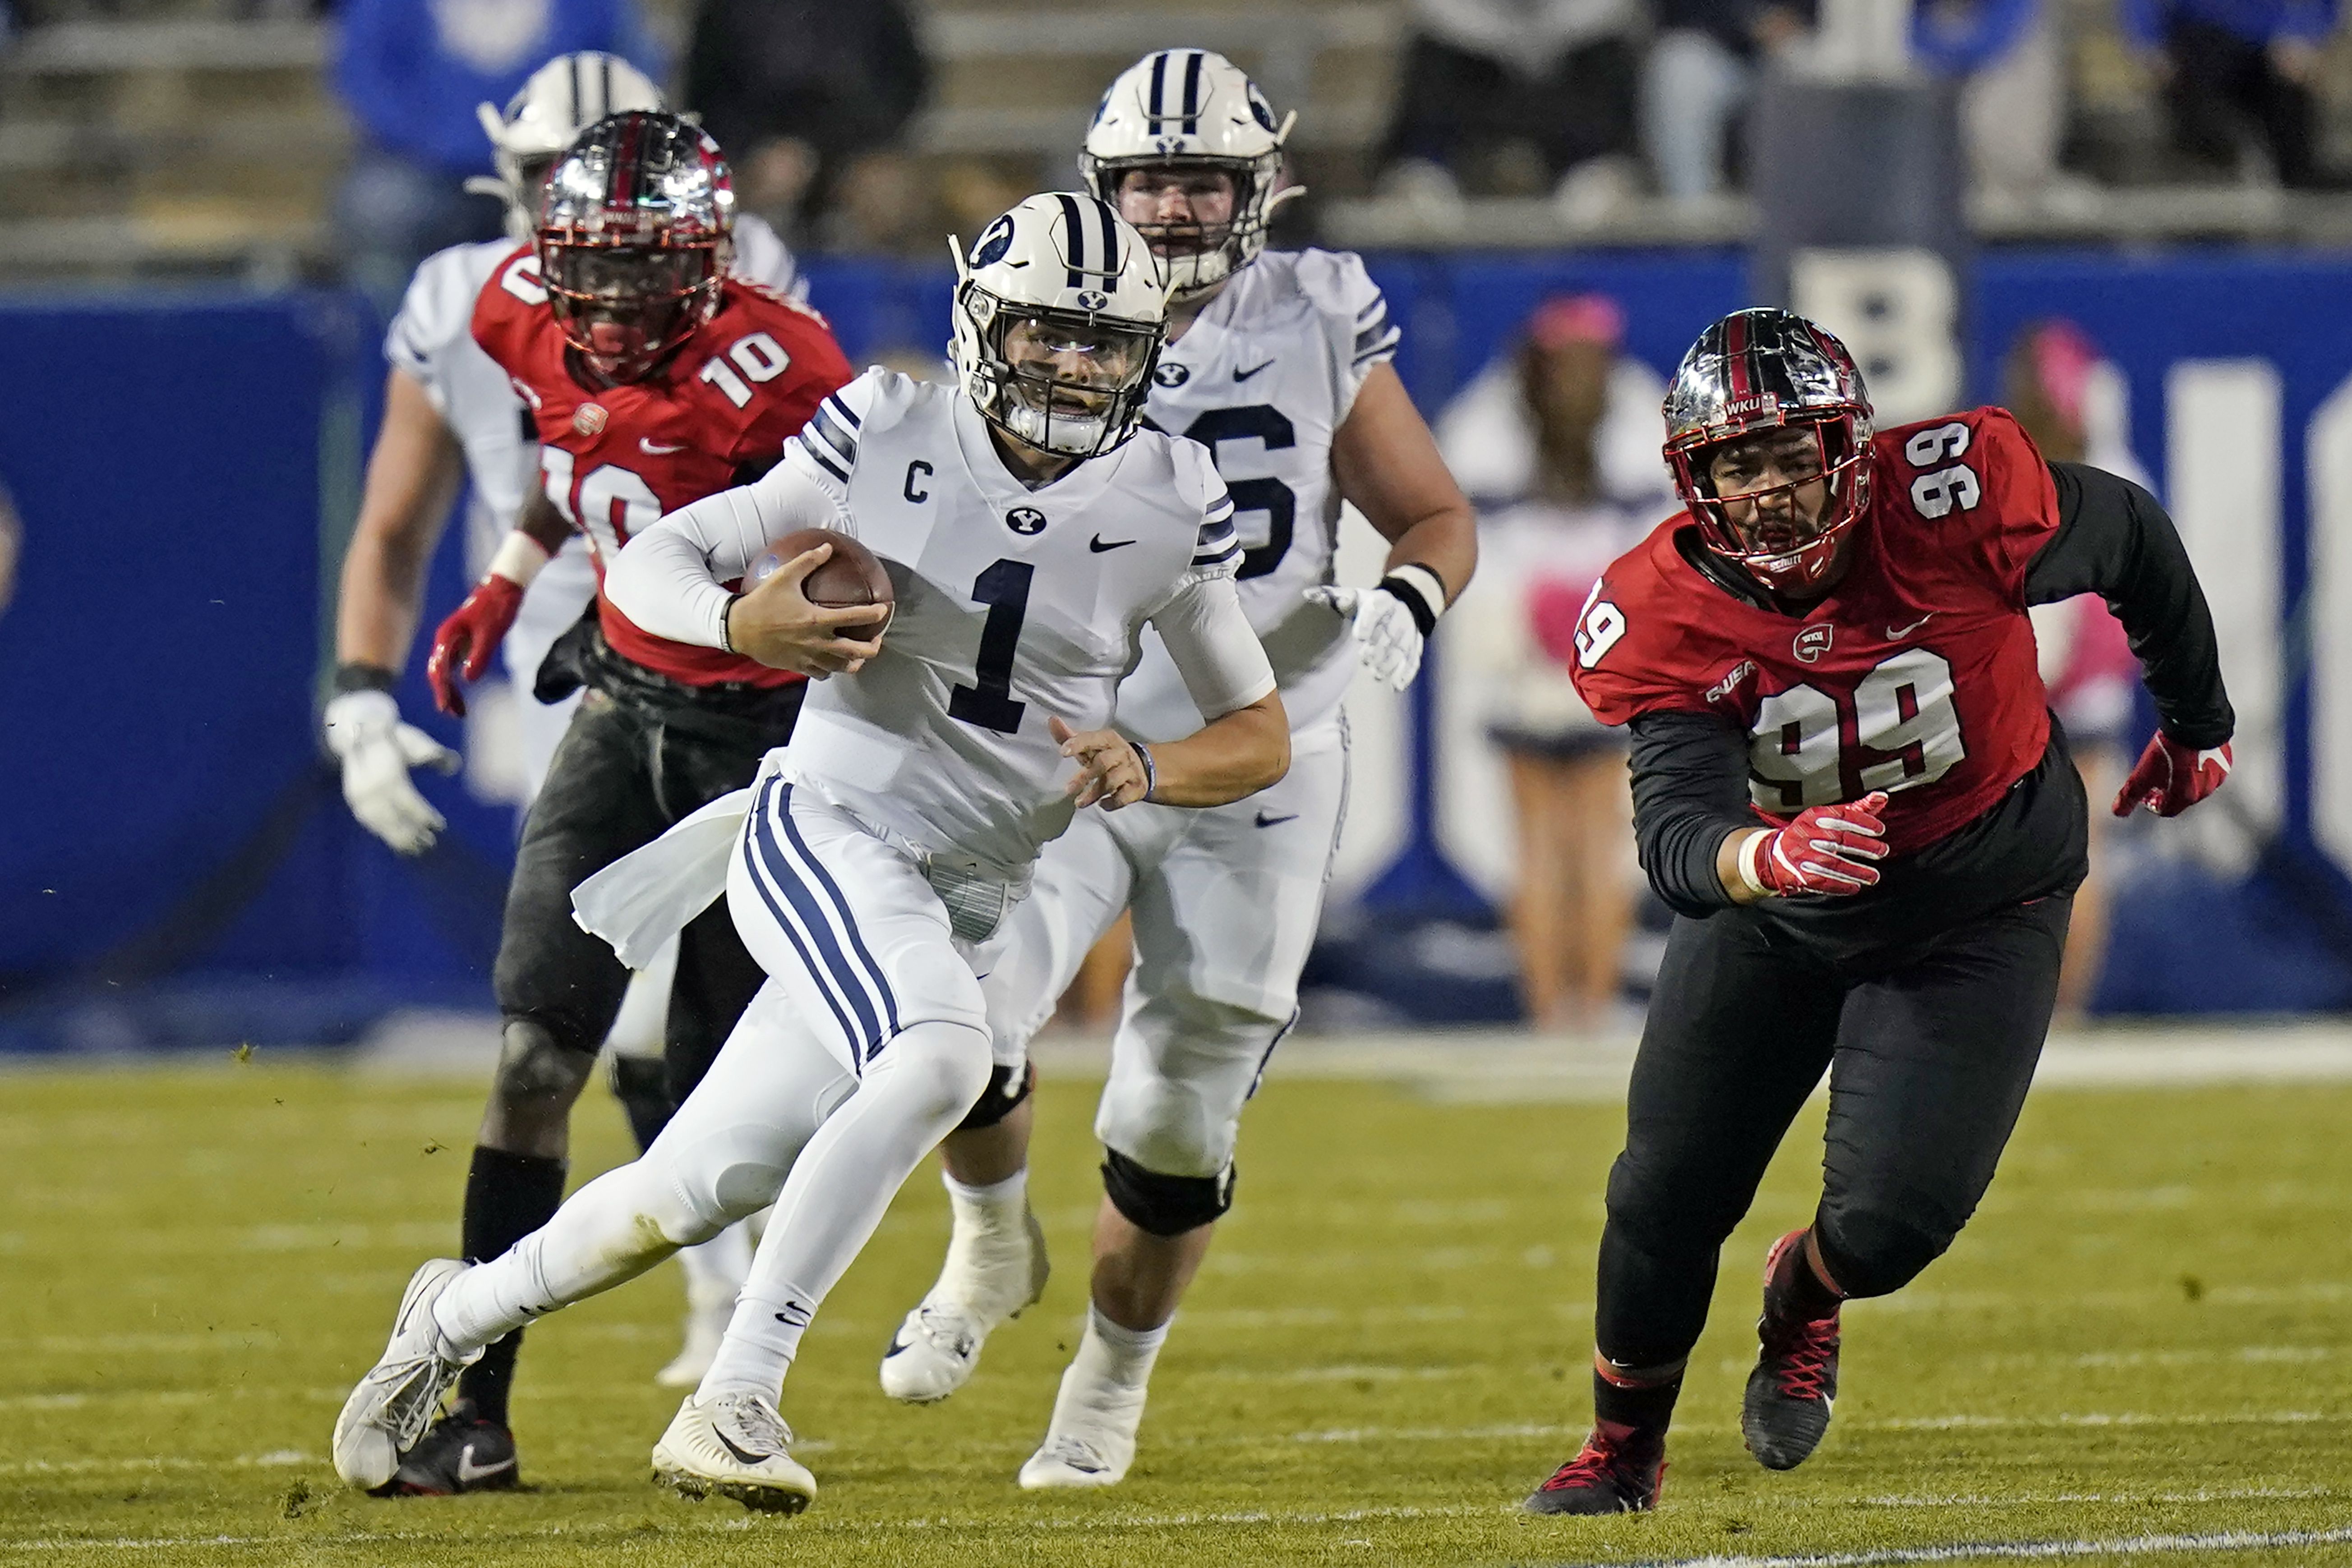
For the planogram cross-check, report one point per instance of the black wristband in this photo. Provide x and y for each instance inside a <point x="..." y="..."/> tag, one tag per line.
<point x="355" y="676"/>
<point x="1423" y="618"/>
<point x="726" y="631"/>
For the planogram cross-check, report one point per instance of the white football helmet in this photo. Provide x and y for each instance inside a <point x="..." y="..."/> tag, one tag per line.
<point x="564" y="98"/>
<point x="1190" y="107"/>
<point x="1060" y="311"/>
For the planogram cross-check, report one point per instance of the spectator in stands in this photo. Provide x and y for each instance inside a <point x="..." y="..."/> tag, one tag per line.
<point x="1557" y="445"/>
<point x="2233" y="66"/>
<point x="411" y="72"/>
<point x="2013" y="93"/>
<point x="2071" y="402"/>
<point x="814" y="99"/>
<point x="1489" y="83"/>
<point x="1697" y="80"/>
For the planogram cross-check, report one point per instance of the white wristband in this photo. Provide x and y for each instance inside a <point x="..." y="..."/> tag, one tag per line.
<point x="1751" y="864"/>
<point x="520" y="558"/>
<point x="1424" y="582"/>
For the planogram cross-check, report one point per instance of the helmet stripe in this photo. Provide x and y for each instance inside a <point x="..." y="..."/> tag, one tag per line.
<point x="1076" y="235"/>
<point x="571" y="68"/>
<point x="604" y="89"/>
<point x="1159" y="86"/>
<point x="1110" y="243"/>
<point x="1193" y="65"/>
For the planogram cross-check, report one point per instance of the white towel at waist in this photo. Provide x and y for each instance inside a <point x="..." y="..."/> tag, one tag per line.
<point x="648" y="895"/>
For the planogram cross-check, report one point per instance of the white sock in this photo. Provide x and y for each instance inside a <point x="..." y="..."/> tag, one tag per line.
<point x="912" y="1096"/>
<point x="1115" y="1357"/>
<point x="596" y="1241"/>
<point x="762" y="1339"/>
<point x="994" y="1207"/>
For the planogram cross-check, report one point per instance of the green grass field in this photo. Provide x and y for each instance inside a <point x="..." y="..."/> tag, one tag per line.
<point x="2144" y="1335"/>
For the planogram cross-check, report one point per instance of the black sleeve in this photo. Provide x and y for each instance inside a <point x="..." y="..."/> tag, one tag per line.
<point x="1690" y="793"/>
<point x="2115" y="540"/>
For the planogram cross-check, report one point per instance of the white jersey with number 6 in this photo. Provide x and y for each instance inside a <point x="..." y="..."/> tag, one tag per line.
<point x="1263" y="379"/>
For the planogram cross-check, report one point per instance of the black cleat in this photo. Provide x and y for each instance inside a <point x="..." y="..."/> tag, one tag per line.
<point x="1786" y="1412"/>
<point x="459" y="1453"/>
<point x="1618" y="1470"/>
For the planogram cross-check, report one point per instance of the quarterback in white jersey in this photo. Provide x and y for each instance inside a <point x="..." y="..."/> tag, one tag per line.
<point x="1278" y="364"/>
<point x="1032" y="535"/>
<point x="451" y="415"/>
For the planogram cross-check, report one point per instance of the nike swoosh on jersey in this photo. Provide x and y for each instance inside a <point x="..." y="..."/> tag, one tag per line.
<point x="1895" y="633"/>
<point x="1098" y="544"/>
<point x="1265" y="821"/>
<point x="469" y="1472"/>
<point x="1242" y="375"/>
<point x="653" y="448"/>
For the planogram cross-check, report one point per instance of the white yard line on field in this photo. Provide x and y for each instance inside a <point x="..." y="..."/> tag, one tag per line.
<point x="2019" y="1550"/>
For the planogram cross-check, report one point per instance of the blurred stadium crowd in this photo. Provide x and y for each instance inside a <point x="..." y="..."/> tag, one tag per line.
<point x="293" y="138"/>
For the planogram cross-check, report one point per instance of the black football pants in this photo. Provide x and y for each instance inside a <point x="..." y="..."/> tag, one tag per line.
<point x="621" y="778"/>
<point x="1930" y="1050"/>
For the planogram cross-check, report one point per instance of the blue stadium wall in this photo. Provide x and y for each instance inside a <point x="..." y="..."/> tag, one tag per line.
<point x="176" y="865"/>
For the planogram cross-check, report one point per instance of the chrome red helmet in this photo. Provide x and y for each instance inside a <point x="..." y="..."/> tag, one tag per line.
<point x="1758" y="371"/>
<point x="634" y="232"/>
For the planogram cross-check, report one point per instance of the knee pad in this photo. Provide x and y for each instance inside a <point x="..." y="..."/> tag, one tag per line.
<point x="641" y="1083"/>
<point x="1874" y="1252"/>
<point x="1165" y="1205"/>
<point x="1007" y="1087"/>
<point x="535" y="1070"/>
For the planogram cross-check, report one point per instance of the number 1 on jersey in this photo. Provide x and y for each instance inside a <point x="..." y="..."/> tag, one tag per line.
<point x="988" y="702"/>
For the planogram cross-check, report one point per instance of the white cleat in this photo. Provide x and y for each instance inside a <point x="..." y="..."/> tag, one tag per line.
<point x="388" y="1412"/>
<point x="989" y="1276"/>
<point x="1091" y="1440"/>
<point x="734" y="1444"/>
<point x="705" y="1327"/>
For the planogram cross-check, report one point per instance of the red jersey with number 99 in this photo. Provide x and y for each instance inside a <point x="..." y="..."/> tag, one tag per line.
<point x="1915" y="676"/>
<point x="614" y="459"/>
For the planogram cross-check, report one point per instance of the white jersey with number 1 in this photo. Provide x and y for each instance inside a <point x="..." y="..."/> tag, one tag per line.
<point x="1014" y="605"/>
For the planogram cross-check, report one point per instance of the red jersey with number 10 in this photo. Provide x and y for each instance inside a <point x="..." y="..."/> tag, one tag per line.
<point x="1915" y="676"/>
<point x="614" y="459"/>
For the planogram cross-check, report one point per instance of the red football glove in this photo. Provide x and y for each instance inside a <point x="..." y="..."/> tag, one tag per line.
<point x="469" y="637"/>
<point x="2170" y="778"/>
<point x="1828" y="849"/>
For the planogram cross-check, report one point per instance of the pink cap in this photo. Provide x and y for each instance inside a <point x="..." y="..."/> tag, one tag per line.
<point x="1566" y="318"/>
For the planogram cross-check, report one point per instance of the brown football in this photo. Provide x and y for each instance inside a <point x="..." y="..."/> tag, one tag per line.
<point x="853" y="575"/>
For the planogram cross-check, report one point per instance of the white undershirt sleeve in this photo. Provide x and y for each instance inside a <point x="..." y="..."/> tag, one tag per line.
<point x="669" y="580"/>
<point x="1214" y="646"/>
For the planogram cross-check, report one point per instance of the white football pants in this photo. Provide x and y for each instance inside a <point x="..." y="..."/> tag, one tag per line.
<point x="1226" y="901"/>
<point x="805" y="1107"/>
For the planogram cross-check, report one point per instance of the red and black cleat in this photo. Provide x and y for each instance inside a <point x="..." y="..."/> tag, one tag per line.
<point x="1786" y="1412"/>
<point x="1618" y="1470"/>
<point x="459" y="1453"/>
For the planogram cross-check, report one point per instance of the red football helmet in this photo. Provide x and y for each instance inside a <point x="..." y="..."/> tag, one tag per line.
<point x="634" y="233"/>
<point x="1758" y="371"/>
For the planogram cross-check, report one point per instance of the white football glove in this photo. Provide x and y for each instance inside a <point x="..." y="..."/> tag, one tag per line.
<point x="364" y="728"/>
<point x="1388" y="641"/>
